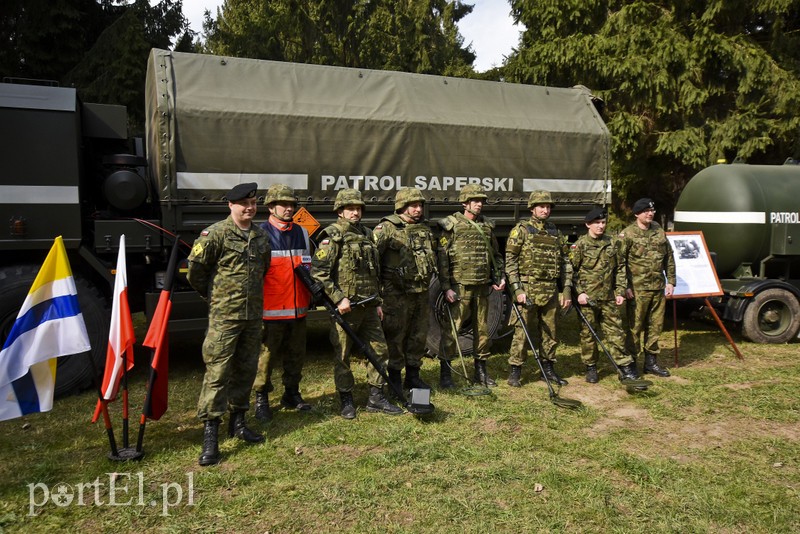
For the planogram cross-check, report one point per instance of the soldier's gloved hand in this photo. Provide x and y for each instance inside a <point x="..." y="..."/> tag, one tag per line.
<point x="343" y="306"/>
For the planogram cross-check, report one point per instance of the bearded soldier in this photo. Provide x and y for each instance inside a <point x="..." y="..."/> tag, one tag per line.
<point x="651" y="278"/>
<point x="286" y="302"/>
<point x="599" y="278"/>
<point x="408" y="262"/>
<point x="227" y="266"/>
<point x="470" y="267"/>
<point x="348" y="266"/>
<point x="537" y="261"/>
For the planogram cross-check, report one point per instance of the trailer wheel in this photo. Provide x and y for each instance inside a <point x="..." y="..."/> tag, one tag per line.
<point x="73" y="373"/>
<point x="440" y="321"/>
<point x="772" y="317"/>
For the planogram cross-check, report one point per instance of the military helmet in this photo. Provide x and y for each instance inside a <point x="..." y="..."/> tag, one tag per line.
<point x="470" y="191"/>
<point x="540" y="197"/>
<point x="406" y="196"/>
<point x="279" y="193"/>
<point x="347" y="197"/>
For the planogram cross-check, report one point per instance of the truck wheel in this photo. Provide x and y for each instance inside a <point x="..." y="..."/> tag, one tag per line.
<point x="772" y="317"/>
<point x="440" y="321"/>
<point x="73" y="373"/>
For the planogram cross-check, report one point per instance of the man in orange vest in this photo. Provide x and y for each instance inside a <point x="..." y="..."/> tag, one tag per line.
<point x="286" y="302"/>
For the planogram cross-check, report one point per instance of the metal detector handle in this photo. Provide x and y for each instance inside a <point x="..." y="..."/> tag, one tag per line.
<point x="364" y="301"/>
<point x="317" y="290"/>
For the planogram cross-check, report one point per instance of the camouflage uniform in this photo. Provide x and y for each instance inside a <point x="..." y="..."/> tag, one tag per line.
<point x="648" y="256"/>
<point x="599" y="271"/>
<point x="408" y="262"/>
<point x="537" y="260"/>
<point x="347" y="265"/>
<point x="468" y="264"/>
<point x="227" y="266"/>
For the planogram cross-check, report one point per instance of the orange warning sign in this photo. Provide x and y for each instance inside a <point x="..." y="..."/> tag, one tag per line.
<point x="304" y="218"/>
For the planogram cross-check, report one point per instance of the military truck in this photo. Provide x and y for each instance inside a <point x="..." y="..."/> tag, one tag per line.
<point x="750" y="220"/>
<point x="69" y="168"/>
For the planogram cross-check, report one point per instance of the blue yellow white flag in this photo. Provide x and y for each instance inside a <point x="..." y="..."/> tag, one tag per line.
<point x="49" y="325"/>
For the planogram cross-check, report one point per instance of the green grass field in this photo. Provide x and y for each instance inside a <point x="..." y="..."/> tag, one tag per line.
<point x="714" y="448"/>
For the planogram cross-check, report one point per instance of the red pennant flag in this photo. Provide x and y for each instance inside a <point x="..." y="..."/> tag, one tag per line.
<point x="120" y="336"/>
<point x="157" y="339"/>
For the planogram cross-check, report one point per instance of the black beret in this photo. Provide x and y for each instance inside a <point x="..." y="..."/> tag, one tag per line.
<point x="596" y="213"/>
<point x="642" y="204"/>
<point x="242" y="191"/>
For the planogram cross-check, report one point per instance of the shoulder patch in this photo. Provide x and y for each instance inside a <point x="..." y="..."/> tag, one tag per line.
<point x="514" y="232"/>
<point x="443" y="241"/>
<point x="321" y="254"/>
<point x="204" y="233"/>
<point x="379" y="228"/>
<point x="622" y="234"/>
<point x="197" y="249"/>
<point x="325" y="242"/>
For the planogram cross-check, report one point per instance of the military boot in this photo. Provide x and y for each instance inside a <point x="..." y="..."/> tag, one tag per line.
<point x="651" y="366"/>
<point x="445" y="375"/>
<point x="348" y="408"/>
<point x="210" y="454"/>
<point x="591" y="374"/>
<point x="413" y="380"/>
<point x="629" y="372"/>
<point x="481" y="375"/>
<point x="378" y="403"/>
<point x="395" y="380"/>
<point x="237" y="428"/>
<point x="293" y="400"/>
<point x="514" y="375"/>
<point x="551" y="373"/>
<point x="263" y="411"/>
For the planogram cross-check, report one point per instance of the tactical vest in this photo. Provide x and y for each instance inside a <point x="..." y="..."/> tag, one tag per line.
<point x="409" y="265"/>
<point x="358" y="271"/>
<point x="539" y="258"/>
<point x="470" y="262"/>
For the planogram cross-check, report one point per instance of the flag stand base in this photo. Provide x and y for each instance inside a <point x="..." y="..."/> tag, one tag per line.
<point x="126" y="454"/>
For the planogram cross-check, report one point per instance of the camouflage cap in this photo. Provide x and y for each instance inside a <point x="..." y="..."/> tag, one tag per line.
<point x="279" y="193"/>
<point x="242" y="191"/>
<point x="347" y="197"/>
<point x="540" y="197"/>
<point x="406" y="196"/>
<point x="471" y="191"/>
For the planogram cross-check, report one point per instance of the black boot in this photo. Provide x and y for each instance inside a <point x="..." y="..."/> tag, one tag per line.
<point x="237" y="428"/>
<point x="629" y="372"/>
<point x="348" y="408"/>
<point x="210" y="454"/>
<point x="395" y="380"/>
<point x="378" y="403"/>
<point x="591" y="374"/>
<point x="514" y="376"/>
<point x="551" y="373"/>
<point x="481" y="375"/>
<point x="651" y="366"/>
<point x="263" y="411"/>
<point x="293" y="400"/>
<point x="413" y="380"/>
<point x="445" y="376"/>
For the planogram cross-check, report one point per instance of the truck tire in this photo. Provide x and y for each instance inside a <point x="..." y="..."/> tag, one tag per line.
<point x="439" y="320"/>
<point x="74" y="373"/>
<point x="772" y="317"/>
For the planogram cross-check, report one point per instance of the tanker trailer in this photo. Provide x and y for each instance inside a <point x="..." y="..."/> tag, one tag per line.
<point x="750" y="218"/>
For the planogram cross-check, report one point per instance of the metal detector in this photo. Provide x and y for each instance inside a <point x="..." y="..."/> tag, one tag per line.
<point x="554" y="398"/>
<point x="420" y="398"/>
<point x="637" y="383"/>
<point x="471" y="390"/>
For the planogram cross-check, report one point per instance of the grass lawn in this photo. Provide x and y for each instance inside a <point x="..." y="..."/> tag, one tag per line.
<point x="714" y="448"/>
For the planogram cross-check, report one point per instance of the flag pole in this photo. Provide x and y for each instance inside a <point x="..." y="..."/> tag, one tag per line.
<point x="102" y="405"/>
<point x="167" y="289"/>
<point x="125" y="404"/>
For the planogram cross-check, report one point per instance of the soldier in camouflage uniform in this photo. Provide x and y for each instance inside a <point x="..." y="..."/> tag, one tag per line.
<point x="348" y="266"/>
<point x="651" y="278"/>
<point x="227" y="266"/>
<point x="408" y="262"/>
<point x="537" y="261"/>
<point x="598" y="275"/>
<point x="470" y="267"/>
